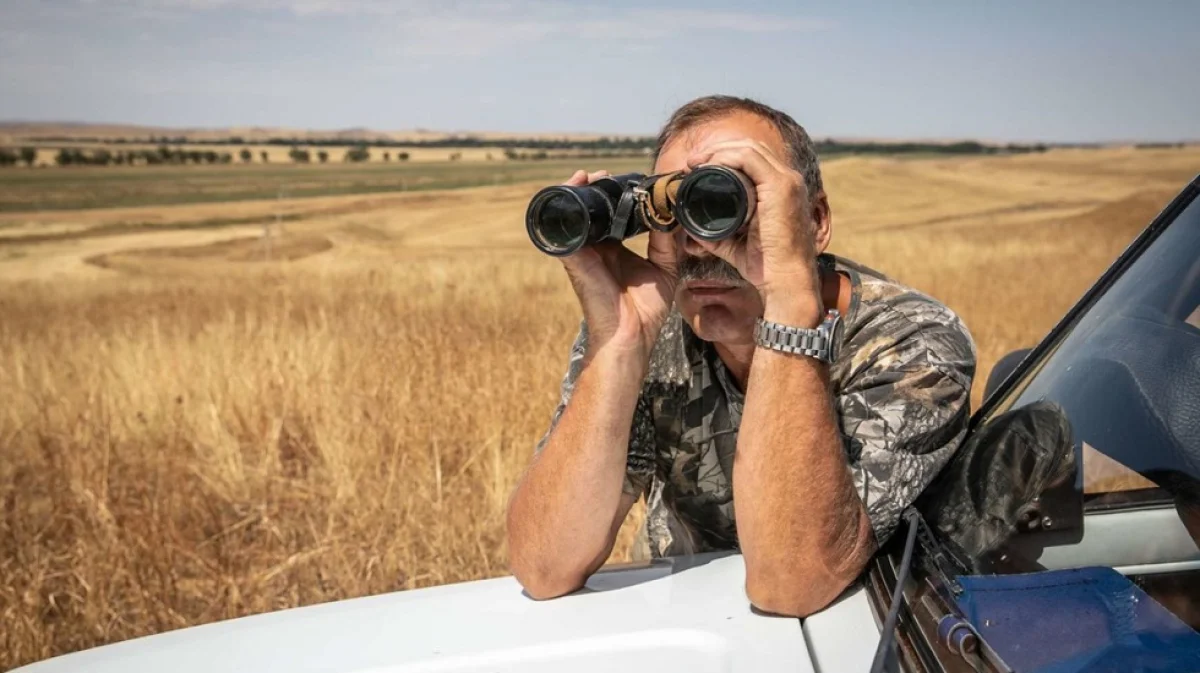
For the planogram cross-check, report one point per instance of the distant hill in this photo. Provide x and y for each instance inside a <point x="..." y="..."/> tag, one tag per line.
<point x="15" y="131"/>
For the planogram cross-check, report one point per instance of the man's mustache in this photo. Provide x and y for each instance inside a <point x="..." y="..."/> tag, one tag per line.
<point x="708" y="268"/>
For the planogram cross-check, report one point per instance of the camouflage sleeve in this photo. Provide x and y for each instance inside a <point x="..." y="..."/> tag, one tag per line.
<point x="639" y="464"/>
<point x="903" y="414"/>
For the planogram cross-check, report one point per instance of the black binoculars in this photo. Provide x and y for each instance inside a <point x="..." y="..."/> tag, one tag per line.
<point x="711" y="202"/>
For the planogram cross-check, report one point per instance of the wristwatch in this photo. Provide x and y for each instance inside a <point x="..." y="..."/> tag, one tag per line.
<point x="820" y="343"/>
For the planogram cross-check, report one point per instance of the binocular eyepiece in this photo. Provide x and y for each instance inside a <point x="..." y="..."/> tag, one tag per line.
<point x="712" y="203"/>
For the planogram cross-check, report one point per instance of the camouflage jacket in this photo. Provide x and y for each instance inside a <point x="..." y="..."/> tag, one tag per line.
<point x="901" y="381"/>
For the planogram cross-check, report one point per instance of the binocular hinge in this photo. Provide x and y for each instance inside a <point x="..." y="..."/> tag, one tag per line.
<point x="657" y="207"/>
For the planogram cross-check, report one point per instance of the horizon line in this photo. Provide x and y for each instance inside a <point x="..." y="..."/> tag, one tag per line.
<point x="6" y="122"/>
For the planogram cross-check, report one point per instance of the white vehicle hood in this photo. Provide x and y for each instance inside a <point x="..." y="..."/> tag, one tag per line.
<point x="679" y="615"/>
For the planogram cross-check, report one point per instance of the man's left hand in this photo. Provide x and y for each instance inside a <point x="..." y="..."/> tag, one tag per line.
<point x="776" y="251"/>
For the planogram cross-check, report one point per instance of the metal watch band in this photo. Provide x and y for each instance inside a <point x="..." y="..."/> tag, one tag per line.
<point x="814" y="343"/>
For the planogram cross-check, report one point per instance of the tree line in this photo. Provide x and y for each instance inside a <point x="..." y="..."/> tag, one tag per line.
<point x="72" y="156"/>
<point x="357" y="154"/>
<point x="177" y="156"/>
<point x="524" y="150"/>
<point x="827" y="147"/>
<point x="9" y="157"/>
<point x="530" y="147"/>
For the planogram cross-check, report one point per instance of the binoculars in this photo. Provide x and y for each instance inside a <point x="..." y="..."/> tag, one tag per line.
<point x="712" y="203"/>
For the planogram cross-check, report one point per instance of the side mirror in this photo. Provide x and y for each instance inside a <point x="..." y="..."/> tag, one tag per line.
<point x="1011" y="487"/>
<point x="1004" y="368"/>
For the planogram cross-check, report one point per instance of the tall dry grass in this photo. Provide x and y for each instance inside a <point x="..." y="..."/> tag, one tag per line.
<point x="182" y="452"/>
<point x="189" y="440"/>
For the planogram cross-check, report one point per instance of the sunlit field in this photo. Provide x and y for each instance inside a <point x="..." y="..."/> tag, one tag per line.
<point x="222" y="408"/>
<point x="84" y="187"/>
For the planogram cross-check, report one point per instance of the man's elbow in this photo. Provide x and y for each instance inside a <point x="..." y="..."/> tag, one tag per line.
<point x="800" y="589"/>
<point x="788" y="597"/>
<point x="543" y="583"/>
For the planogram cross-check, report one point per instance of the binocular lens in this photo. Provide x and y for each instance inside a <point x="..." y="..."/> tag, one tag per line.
<point x="562" y="222"/>
<point x="714" y="205"/>
<point x="564" y="218"/>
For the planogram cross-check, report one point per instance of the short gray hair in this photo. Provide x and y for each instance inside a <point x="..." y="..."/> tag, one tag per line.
<point x="801" y="153"/>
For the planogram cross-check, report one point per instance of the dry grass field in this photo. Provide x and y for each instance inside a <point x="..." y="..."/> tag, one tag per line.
<point x="200" y="423"/>
<point x="86" y="187"/>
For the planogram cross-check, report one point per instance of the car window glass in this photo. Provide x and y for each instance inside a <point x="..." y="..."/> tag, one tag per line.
<point x="1109" y="408"/>
<point x="1126" y="373"/>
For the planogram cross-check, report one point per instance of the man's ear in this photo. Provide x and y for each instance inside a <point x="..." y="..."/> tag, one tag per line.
<point x="822" y="219"/>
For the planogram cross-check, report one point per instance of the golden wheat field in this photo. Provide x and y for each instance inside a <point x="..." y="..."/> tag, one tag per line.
<point x="203" y="422"/>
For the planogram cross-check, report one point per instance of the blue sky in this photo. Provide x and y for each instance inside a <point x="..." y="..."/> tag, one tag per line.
<point x="1055" y="70"/>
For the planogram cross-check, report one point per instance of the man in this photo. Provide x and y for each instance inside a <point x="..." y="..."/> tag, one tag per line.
<point x="672" y="396"/>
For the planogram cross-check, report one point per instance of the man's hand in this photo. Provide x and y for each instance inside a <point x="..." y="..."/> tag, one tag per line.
<point x="803" y="531"/>
<point x="777" y="253"/>
<point x="625" y="298"/>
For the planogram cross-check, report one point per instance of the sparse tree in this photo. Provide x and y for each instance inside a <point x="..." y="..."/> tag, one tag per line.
<point x="265" y="158"/>
<point x="299" y="156"/>
<point x="29" y="155"/>
<point x="246" y="155"/>
<point x="323" y="156"/>
<point x="387" y="156"/>
<point x="358" y="154"/>
<point x="211" y="157"/>
<point x="402" y="156"/>
<point x="226" y="158"/>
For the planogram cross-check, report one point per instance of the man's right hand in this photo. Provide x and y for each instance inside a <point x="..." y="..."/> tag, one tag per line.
<point x="625" y="298"/>
<point x="565" y="513"/>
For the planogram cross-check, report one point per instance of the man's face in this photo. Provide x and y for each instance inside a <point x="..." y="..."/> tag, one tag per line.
<point x="716" y="301"/>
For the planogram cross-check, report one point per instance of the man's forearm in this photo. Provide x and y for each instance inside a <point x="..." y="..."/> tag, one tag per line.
<point x="565" y="512"/>
<point x="803" y="530"/>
